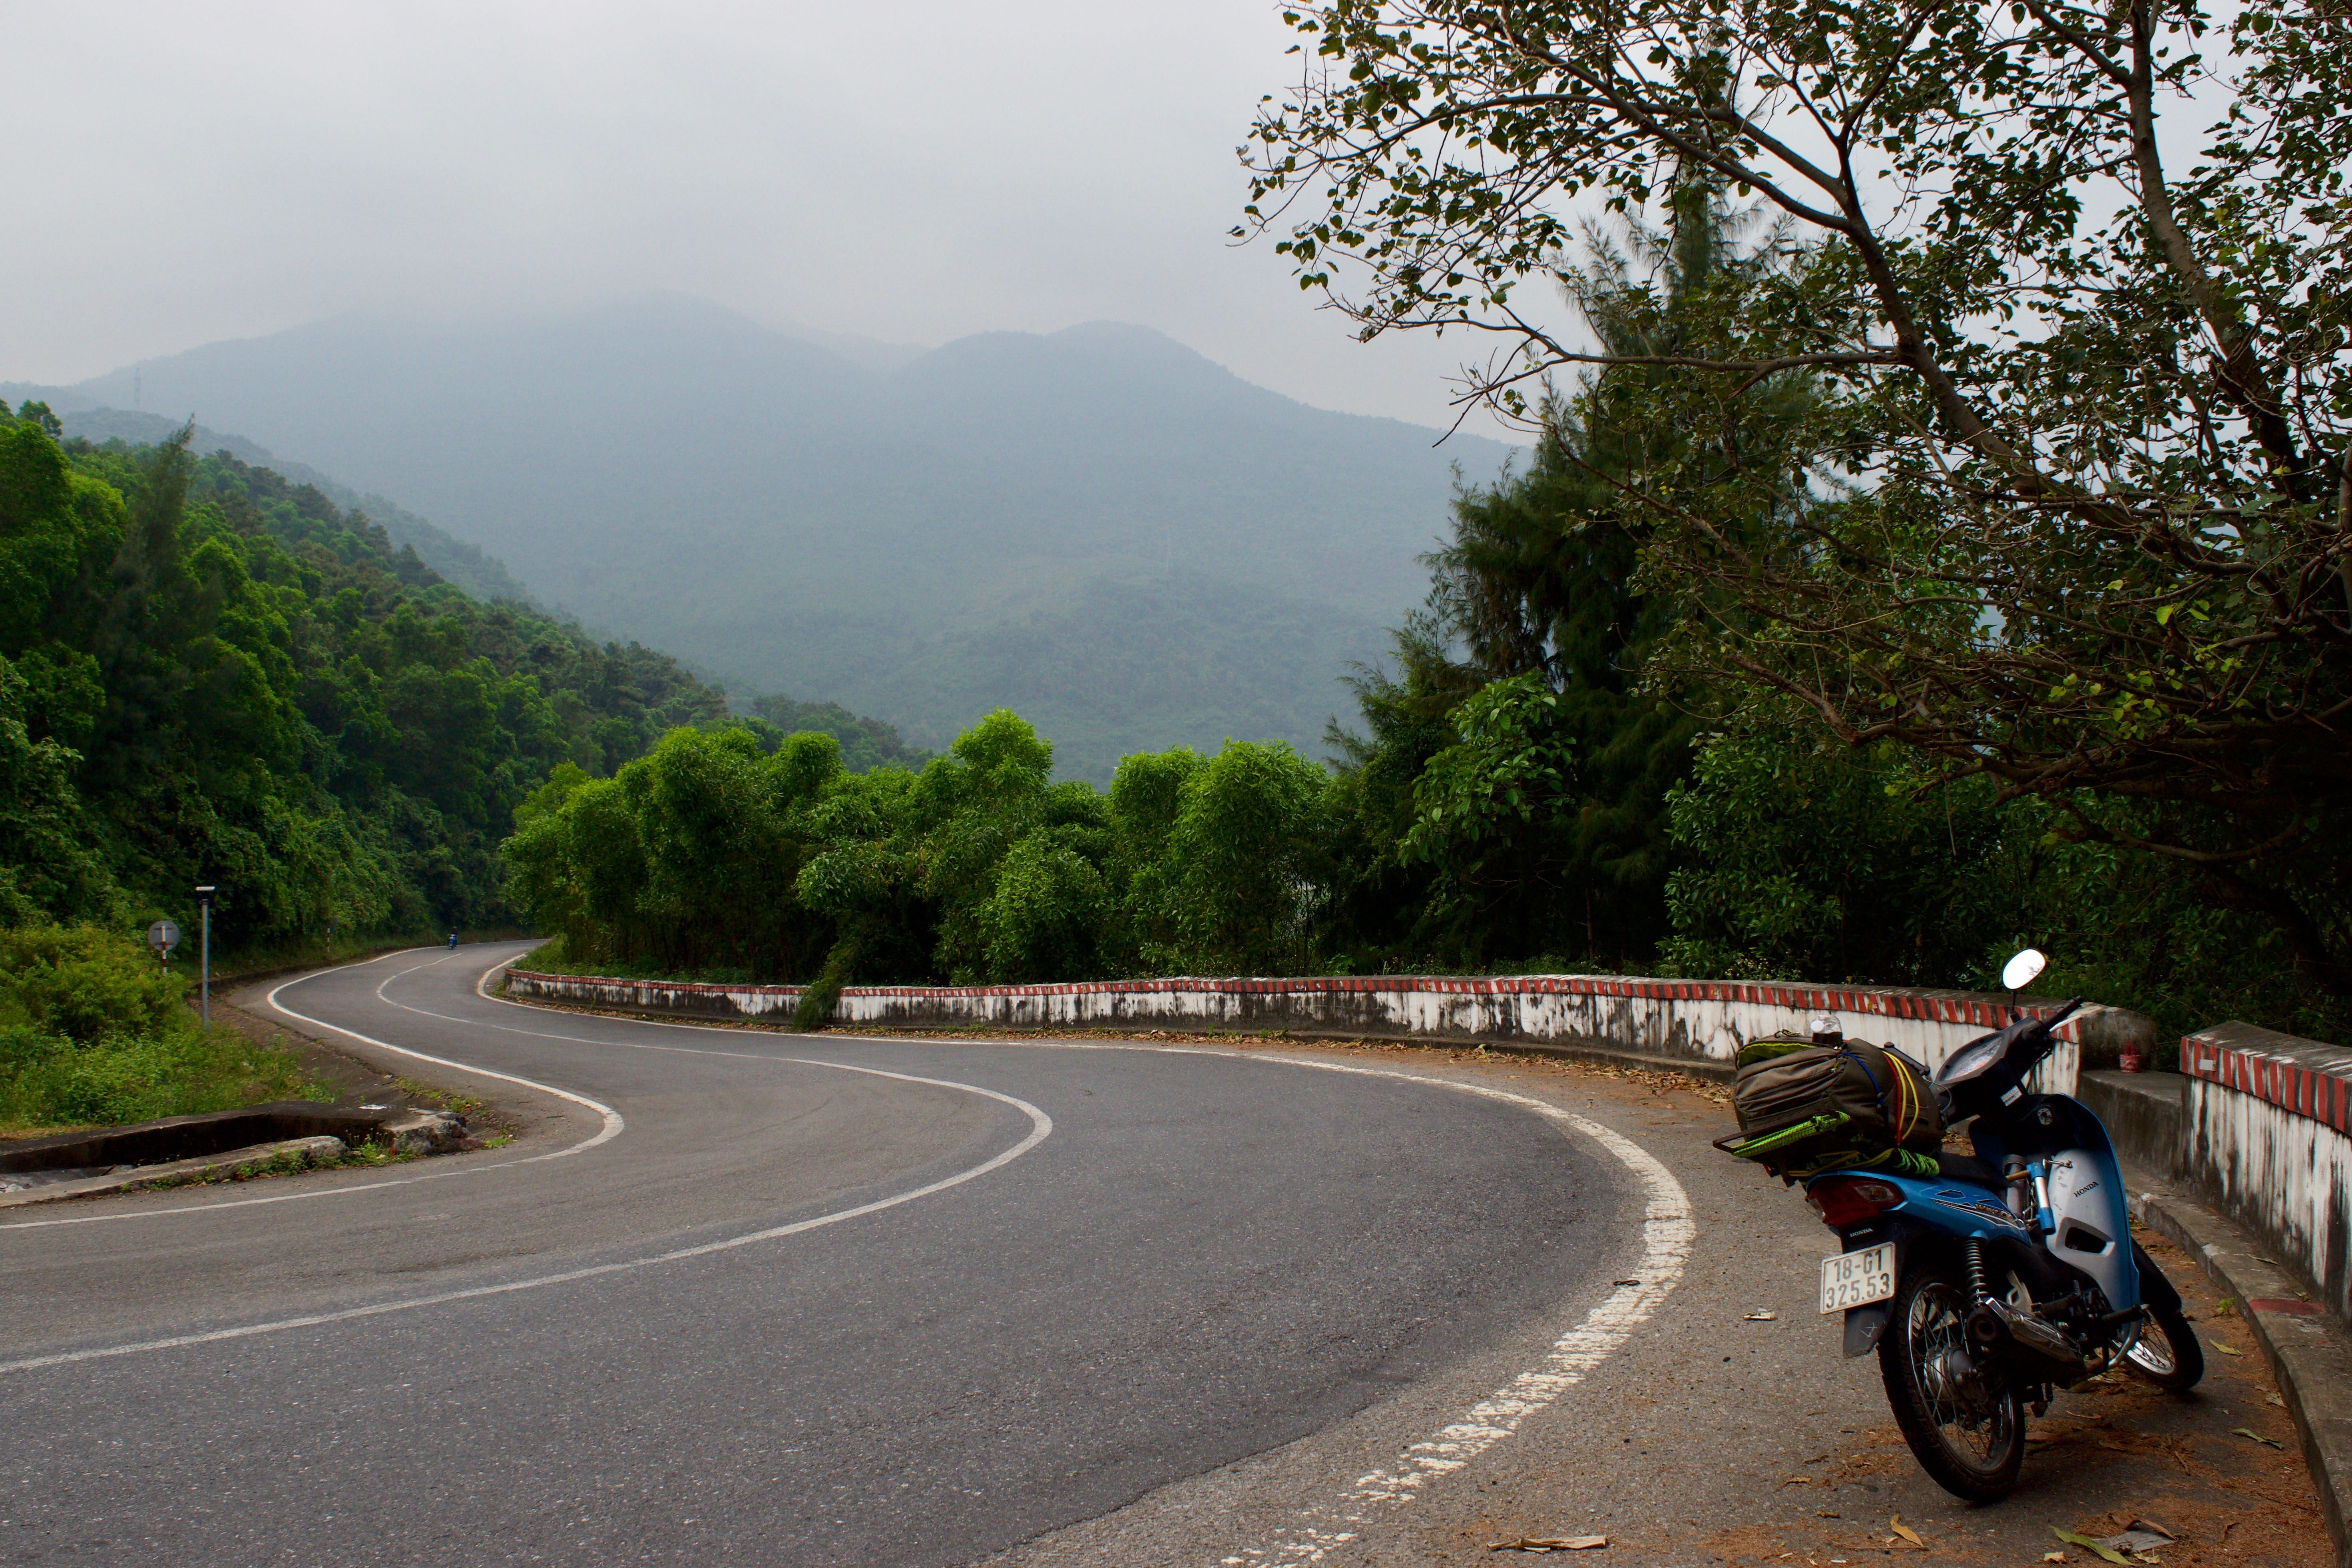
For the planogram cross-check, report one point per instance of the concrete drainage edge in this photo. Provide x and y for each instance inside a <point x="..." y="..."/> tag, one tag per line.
<point x="2310" y="1354"/>
<point x="323" y="1147"/>
<point x="416" y="1131"/>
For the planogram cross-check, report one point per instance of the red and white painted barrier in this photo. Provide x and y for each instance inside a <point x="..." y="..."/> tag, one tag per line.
<point x="1699" y="1020"/>
<point x="2268" y="1119"/>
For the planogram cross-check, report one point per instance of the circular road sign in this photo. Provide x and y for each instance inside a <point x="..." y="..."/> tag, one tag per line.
<point x="162" y="936"/>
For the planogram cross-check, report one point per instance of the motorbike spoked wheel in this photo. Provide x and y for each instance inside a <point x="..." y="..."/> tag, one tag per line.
<point x="1965" y="1423"/>
<point x="2167" y="1353"/>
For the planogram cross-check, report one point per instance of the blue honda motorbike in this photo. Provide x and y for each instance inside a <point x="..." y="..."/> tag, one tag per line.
<point x="2006" y="1275"/>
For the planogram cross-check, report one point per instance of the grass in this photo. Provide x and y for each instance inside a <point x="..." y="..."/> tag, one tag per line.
<point x="50" y="1085"/>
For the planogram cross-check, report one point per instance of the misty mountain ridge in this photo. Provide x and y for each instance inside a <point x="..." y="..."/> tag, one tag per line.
<point x="1098" y="527"/>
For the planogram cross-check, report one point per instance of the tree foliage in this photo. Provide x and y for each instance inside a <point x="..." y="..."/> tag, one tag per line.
<point x="210" y="675"/>
<point x="977" y="869"/>
<point x="2070" y="507"/>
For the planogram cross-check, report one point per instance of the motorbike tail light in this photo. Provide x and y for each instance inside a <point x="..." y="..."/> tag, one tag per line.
<point x="1849" y="1200"/>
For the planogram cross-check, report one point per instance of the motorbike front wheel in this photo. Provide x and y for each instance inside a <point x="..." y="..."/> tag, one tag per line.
<point x="1965" y="1423"/>
<point x="2167" y="1352"/>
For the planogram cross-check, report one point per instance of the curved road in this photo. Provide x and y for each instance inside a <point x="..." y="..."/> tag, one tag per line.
<point x="756" y="1297"/>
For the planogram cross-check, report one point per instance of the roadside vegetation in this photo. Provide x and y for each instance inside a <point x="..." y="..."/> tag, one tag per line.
<point x="94" y="1032"/>
<point x="209" y="674"/>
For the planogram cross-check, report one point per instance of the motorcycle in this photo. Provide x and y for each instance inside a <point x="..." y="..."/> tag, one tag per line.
<point x="2005" y="1276"/>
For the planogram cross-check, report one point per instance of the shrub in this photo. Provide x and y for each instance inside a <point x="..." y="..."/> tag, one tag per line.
<point x="93" y="1033"/>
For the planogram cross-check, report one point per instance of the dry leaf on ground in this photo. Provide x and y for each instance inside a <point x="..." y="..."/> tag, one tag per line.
<point x="2105" y="1554"/>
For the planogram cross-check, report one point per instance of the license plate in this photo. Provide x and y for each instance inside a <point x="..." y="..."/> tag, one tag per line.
<point x="1858" y="1278"/>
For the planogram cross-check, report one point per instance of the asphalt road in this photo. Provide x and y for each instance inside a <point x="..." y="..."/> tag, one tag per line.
<point x="1081" y="1273"/>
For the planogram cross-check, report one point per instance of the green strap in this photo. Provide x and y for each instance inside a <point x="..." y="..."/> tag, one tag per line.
<point x="1829" y="1122"/>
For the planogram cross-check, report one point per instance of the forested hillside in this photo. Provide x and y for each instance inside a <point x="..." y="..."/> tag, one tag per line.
<point x="1098" y="527"/>
<point x="209" y="674"/>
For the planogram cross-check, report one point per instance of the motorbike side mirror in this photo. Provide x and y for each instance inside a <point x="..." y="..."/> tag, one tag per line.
<point x="2020" y="970"/>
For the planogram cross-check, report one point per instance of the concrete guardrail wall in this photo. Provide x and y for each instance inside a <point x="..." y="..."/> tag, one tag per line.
<point x="2267" y="1119"/>
<point x="1687" y="1020"/>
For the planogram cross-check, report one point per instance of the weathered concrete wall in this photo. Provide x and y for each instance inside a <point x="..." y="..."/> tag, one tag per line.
<point x="1695" y="1020"/>
<point x="2269" y="1128"/>
<point x="2143" y="1113"/>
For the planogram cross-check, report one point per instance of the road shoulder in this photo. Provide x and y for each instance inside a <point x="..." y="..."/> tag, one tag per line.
<point x="1732" y="1430"/>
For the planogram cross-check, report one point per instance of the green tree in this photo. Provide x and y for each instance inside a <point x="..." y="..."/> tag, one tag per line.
<point x="2092" y="422"/>
<point x="1248" y="860"/>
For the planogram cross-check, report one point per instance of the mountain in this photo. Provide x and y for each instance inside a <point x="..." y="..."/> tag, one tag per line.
<point x="1099" y="526"/>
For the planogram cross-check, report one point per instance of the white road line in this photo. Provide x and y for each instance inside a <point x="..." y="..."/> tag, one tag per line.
<point x="1667" y="1232"/>
<point x="1040" y="1126"/>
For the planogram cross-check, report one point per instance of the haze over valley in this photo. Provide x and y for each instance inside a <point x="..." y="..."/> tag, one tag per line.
<point x="1096" y="527"/>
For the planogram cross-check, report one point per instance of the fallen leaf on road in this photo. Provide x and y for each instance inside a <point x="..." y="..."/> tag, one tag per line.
<point x="2225" y="1350"/>
<point x="1904" y="1531"/>
<point x="2105" y="1554"/>
<point x="2135" y="1539"/>
<point x="2226" y="1307"/>
<point x="2257" y="1436"/>
<point x="1624" y="1282"/>
<point x="1761" y="1317"/>
<point x="1550" y="1543"/>
<point x="2053" y="1557"/>
<point x="2274" y="1399"/>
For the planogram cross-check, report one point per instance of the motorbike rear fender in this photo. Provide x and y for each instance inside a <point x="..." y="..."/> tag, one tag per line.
<point x="2155" y="1290"/>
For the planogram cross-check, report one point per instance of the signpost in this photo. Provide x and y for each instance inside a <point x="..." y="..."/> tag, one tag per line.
<point x="163" y="936"/>
<point x="204" y="898"/>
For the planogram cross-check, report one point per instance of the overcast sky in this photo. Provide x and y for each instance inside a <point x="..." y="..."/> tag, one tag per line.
<point x="182" y="174"/>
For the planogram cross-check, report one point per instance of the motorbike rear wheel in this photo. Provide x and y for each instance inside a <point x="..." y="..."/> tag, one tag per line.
<point x="1965" y="1422"/>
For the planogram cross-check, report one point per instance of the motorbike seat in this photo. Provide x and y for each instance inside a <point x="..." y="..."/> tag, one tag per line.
<point x="1968" y="1168"/>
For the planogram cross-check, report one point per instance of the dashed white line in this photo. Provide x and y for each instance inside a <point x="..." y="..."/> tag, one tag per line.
<point x="1667" y="1232"/>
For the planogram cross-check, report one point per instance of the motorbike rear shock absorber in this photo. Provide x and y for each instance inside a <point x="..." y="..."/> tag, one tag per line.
<point x="1972" y="1250"/>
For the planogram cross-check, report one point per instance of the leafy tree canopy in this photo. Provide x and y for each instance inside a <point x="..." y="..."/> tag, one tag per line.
<point x="210" y="675"/>
<point x="2067" y="503"/>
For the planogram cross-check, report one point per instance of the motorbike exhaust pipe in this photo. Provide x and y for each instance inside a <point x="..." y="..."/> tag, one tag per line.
<point x="2041" y="1349"/>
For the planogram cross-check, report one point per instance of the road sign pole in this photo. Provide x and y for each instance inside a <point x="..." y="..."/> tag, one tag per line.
<point x="163" y="936"/>
<point x="204" y="982"/>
